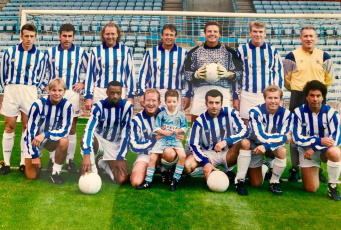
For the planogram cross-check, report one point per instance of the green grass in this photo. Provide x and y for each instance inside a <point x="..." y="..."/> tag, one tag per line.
<point x="39" y="204"/>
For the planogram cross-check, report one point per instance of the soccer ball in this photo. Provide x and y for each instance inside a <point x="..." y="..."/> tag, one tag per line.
<point x="90" y="183"/>
<point x="211" y="72"/>
<point x="218" y="181"/>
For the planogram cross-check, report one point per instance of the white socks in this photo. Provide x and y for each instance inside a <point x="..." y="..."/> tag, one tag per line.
<point x="334" y="170"/>
<point x="72" y="147"/>
<point x="56" y="168"/>
<point x="7" y="146"/>
<point x="278" y="169"/>
<point x="23" y="149"/>
<point x="243" y="163"/>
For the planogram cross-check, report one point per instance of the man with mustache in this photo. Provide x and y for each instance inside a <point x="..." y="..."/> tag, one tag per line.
<point x="108" y="131"/>
<point x="305" y="64"/>
<point x="69" y="62"/>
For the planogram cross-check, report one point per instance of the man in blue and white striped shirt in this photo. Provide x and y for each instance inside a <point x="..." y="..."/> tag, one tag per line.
<point x="49" y="123"/>
<point x="217" y="137"/>
<point x="68" y="62"/>
<point x="270" y="126"/>
<point x="110" y="61"/>
<point x="317" y="132"/>
<point x="162" y="65"/>
<point x="21" y="72"/>
<point x="142" y="140"/>
<point x="262" y="67"/>
<point x="108" y="131"/>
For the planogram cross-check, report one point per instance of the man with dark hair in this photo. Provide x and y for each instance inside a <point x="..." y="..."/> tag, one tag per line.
<point x="21" y="73"/>
<point x="110" y="61"/>
<point x="316" y="131"/>
<point x="210" y="66"/>
<point x="305" y="64"/>
<point x="162" y="66"/>
<point x="69" y="62"/>
<point x="270" y="130"/>
<point x="108" y="131"/>
<point x="217" y="137"/>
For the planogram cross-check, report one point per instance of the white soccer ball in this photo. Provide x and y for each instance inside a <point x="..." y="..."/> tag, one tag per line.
<point x="218" y="181"/>
<point x="212" y="72"/>
<point x="90" y="183"/>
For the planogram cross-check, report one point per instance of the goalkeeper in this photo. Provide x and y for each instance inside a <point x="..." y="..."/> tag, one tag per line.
<point x="200" y="63"/>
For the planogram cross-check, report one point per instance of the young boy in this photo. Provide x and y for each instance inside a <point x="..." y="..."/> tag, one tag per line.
<point x="168" y="123"/>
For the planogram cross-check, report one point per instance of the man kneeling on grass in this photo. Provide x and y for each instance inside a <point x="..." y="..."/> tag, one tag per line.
<point x="49" y="123"/>
<point x="316" y="131"/>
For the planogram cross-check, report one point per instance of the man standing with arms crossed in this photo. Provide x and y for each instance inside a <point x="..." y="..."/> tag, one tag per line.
<point x="21" y="73"/>
<point x="110" y="61"/>
<point x="68" y="62"/>
<point x="305" y="64"/>
<point x="162" y="65"/>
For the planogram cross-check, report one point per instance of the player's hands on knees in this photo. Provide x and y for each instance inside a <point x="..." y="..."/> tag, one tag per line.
<point x="327" y="141"/>
<point x="208" y="168"/>
<point x="121" y="167"/>
<point x="289" y="138"/>
<point x="86" y="164"/>
<point x="88" y="104"/>
<point x="36" y="163"/>
<point x="259" y="149"/>
<point x="38" y="140"/>
<point x="309" y="153"/>
<point x="78" y="87"/>
<point x="220" y="145"/>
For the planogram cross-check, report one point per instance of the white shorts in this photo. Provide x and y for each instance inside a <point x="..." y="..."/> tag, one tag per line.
<point x="108" y="148"/>
<point x="162" y="94"/>
<point x="305" y="163"/>
<point x="256" y="160"/>
<point x="40" y="149"/>
<point x="74" y="98"/>
<point x="217" y="158"/>
<point x="145" y="158"/>
<point x="101" y="93"/>
<point x="199" y="105"/>
<point x="18" y="98"/>
<point x="248" y="101"/>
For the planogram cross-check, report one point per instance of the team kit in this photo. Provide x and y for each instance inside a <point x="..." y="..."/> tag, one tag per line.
<point x="236" y="115"/>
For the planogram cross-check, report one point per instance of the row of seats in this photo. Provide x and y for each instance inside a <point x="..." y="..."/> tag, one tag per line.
<point x="311" y="3"/>
<point x="111" y="1"/>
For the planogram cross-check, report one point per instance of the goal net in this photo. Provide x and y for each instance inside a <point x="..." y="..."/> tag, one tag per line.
<point x="142" y="29"/>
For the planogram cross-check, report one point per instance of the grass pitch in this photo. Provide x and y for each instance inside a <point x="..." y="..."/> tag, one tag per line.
<point x="40" y="204"/>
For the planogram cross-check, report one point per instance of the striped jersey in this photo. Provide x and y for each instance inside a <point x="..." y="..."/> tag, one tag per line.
<point x="108" y="64"/>
<point x="111" y="123"/>
<point x="54" y="120"/>
<point x="262" y="67"/>
<point x="308" y="128"/>
<point x="66" y="64"/>
<point x="141" y="135"/>
<point x="19" y="66"/>
<point x="204" y="54"/>
<point x="269" y="129"/>
<point x="162" y="69"/>
<point x="207" y="131"/>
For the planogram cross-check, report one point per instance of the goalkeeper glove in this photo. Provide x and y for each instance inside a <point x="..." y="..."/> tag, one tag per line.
<point x="201" y="72"/>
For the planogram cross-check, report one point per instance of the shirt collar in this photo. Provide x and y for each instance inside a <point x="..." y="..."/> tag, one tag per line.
<point x="175" y="112"/>
<point x="31" y="51"/>
<point x="252" y="46"/>
<point x="115" y="47"/>
<point x="174" y="48"/>
<point x="208" y="116"/>
<point x="72" y="48"/>
<point x="216" y="47"/>
<point x="60" y="104"/>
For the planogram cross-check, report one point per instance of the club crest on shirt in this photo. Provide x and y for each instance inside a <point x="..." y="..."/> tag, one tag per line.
<point x="99" y="58"/>
<point x="155" y="59"/>
<point x="245" y="58"/>
<point x="53" y="60"/>
<point x="13" y="60"/>
<point x="304" y="124"/>
<point x="70" y="64"/>
<point x="317" y="61"/>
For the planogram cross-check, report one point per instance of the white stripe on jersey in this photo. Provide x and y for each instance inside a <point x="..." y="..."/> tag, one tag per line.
<point x="162" y="69"/>
<point x="22" y="67"/>
<point x="109" y="64"/>
<point x="66" y="64"/>
<point x="262" y="67"/>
